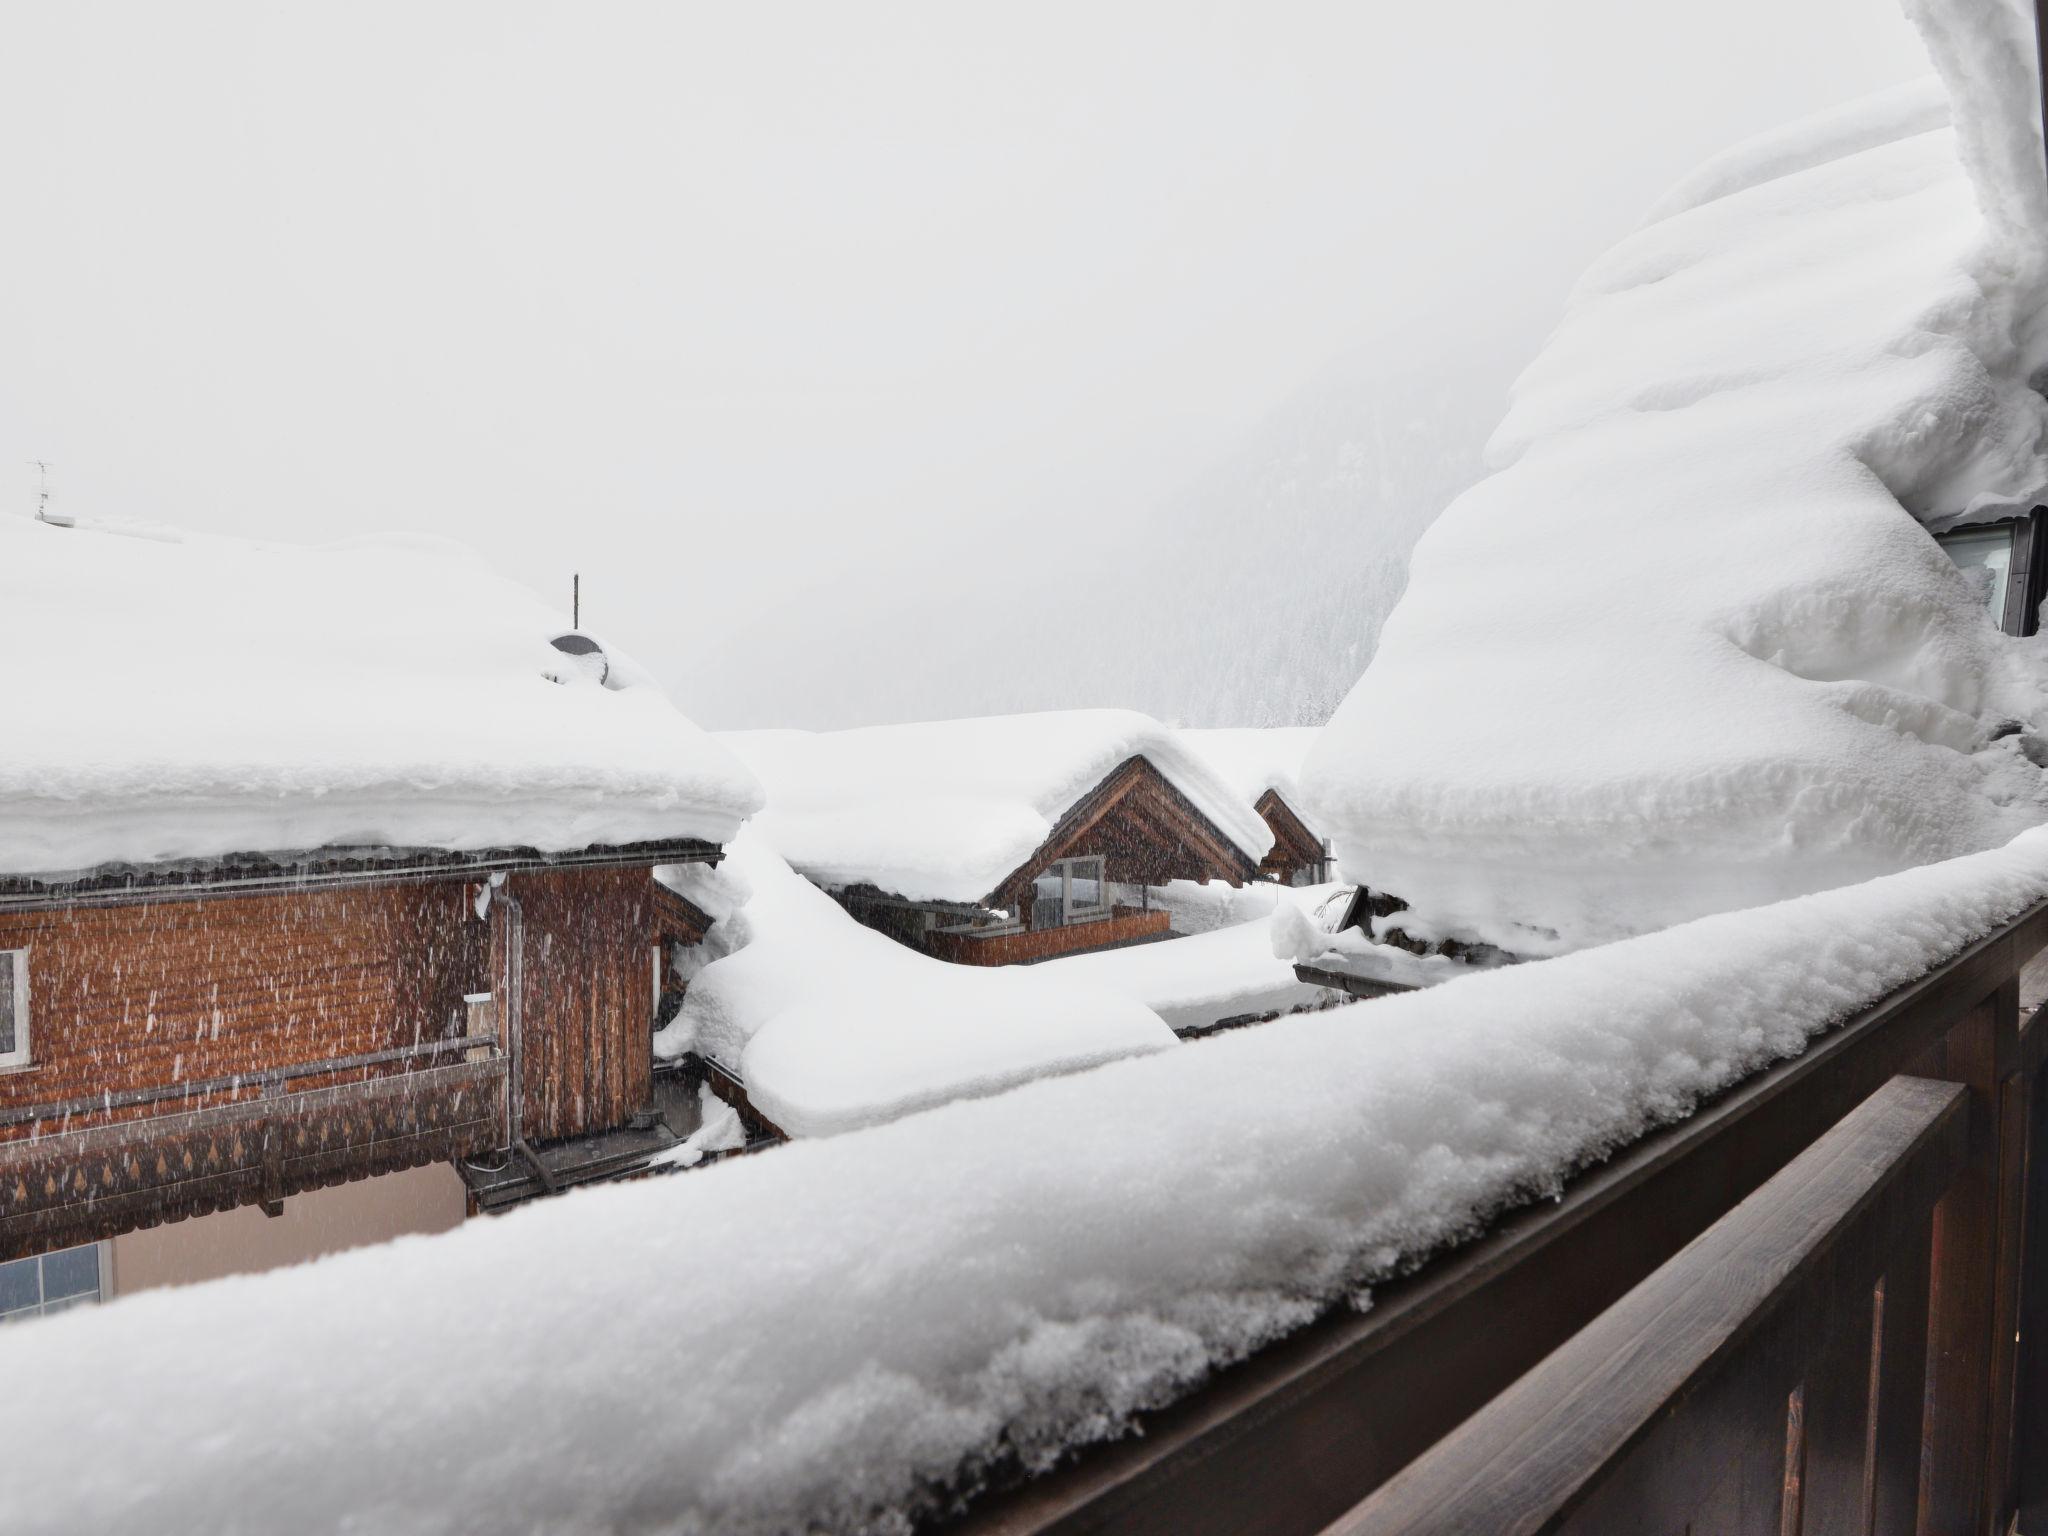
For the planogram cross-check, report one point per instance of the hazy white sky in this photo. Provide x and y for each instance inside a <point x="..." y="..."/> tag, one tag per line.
<point x="734" y="307"/>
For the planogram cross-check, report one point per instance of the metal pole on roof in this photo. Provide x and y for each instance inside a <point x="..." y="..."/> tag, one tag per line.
<point x="576" y="583"/>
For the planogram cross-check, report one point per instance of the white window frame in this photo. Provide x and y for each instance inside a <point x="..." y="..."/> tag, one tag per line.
<point x="22" y="1055"/>
<point x="1072" y="912"/>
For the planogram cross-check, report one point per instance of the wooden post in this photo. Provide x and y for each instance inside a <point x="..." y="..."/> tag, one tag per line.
<point x="2030" y="1408"/>
<point x="1974" y="1286"/>
<point x="1900" y="1377"/>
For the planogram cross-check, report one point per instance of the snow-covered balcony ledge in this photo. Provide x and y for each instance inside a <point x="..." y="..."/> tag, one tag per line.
<point x="873" y="1324"/>
<point x="80" y="1170"/>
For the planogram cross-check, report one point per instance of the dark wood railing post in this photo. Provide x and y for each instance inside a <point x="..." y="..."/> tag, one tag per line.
<point x="1895" y="1423"/>
<point x="1973" y="1300"/>
<point x="2030" y="1408"/>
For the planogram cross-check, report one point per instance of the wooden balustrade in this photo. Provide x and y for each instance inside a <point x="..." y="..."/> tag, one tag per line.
<point x="75" y="1185"/>
<point x="1837" y="1157"/>
<point x="1733" y="1389"/>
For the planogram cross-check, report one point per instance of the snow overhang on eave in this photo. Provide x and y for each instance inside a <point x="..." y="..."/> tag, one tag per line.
<point x="249" y="874"/>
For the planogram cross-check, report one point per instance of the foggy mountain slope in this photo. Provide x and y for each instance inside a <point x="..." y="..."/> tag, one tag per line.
<point x="1253" y="596"/>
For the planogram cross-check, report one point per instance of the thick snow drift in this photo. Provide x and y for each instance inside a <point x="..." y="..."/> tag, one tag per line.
<point x="172" y="696"/>
<point x="947" y="810"/>
<point x="798" y="1339"/>
<point x="832" y="1026"/>
<point x="1691" y="647"/>
<point x="1194" y="982"/>
<point x="1254" y="759"/>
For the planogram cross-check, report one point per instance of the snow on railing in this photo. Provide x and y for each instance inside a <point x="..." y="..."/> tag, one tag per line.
<point x="832" y="1330"/>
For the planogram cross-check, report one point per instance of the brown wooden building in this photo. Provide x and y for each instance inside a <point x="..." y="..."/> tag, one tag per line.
<point x="1298" y="856"/>
<point x="189" y="1040"/>
<point x="1006" y="840"/>
<point x="1263" y="764"/>
<point x="318" y="863"/>
<point x="1086" y="887"/>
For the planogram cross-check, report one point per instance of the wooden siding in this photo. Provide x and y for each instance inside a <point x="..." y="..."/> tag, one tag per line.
<point x="586" y="1011"/>
<point x="677" y="919"/>
<point x="132" y="997"/>
<point x="1295" y="848"/>
<point x="1148" y="831"/>
<point x="80" y="1185"/>
<point x="1129" y="925"/>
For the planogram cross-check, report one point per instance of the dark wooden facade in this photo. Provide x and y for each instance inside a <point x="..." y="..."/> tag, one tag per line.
<point x="194" y="1047"/>
<point x="162" y="992"/>
<point x="1297" y="856"/>
<point x="1145" y="831"/>
<point x="1148" y="831"/>
<point x="585" y="987"/>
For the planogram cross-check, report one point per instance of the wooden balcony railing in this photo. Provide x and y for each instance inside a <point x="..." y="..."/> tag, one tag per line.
<point x="1819" y="1304"/>
<point x="1022" y="946"/>
<point x="62" y="1182"/>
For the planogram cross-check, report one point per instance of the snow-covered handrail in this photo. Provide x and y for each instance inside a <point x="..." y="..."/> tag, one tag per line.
<point x="835" y="1333"/>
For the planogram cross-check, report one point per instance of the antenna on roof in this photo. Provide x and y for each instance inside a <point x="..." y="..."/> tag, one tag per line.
<point x="43" y="512"/>
<point x="576" y="600"/>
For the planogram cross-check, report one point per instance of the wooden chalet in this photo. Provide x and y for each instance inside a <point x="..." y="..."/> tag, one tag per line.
<point x="1055" y="850"/>
<point x="186" y="1034"/>
<point x="1264" y="766"/>
<point x="1086" y="887"/>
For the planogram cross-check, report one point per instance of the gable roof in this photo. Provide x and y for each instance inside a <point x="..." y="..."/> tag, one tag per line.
<point x="171" y="697"/>
<point x="948" y="810"/>
<point x="1254" y="759"/>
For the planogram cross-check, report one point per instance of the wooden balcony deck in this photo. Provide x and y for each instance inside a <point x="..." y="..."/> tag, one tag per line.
<point x="1820" y="1304"/>
<point x="64" y="1182"/>
<point x="1021" y="946"/>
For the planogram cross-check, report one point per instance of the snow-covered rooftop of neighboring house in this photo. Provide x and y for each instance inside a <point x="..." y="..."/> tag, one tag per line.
<point x="1255" y="759"/>
<point x="809" y="1338"/>
<point x="947" y="810"/>
<point x="1691" y="647"/>
<point x="833" y="1026"/>
<point x="171" y="696"/>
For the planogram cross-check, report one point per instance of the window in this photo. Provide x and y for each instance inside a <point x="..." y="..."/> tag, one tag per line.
<point x="1070" y="891"/>
<point x="1984" y="555"/>
<point x="71" y="1277"/>
<point x="13" y="1008"/>
<point x="2004" y="561"/>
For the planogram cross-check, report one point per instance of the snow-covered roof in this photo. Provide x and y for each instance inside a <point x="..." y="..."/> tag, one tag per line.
<point x="808" y="1338"/>
<point x="1691" y="646"/>
<point x="1254" y="759"/>
<point x="947" y="810"/>
<point x="833" y="1026"/>
<point x="170" y="696"/>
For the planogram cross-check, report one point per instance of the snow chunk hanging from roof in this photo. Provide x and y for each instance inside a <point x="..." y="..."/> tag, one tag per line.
<point x="946" y="810"/>
<point x="832" y="1026"/>
<point x="181" y="697"/>
<point x="1691" y="647"/>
